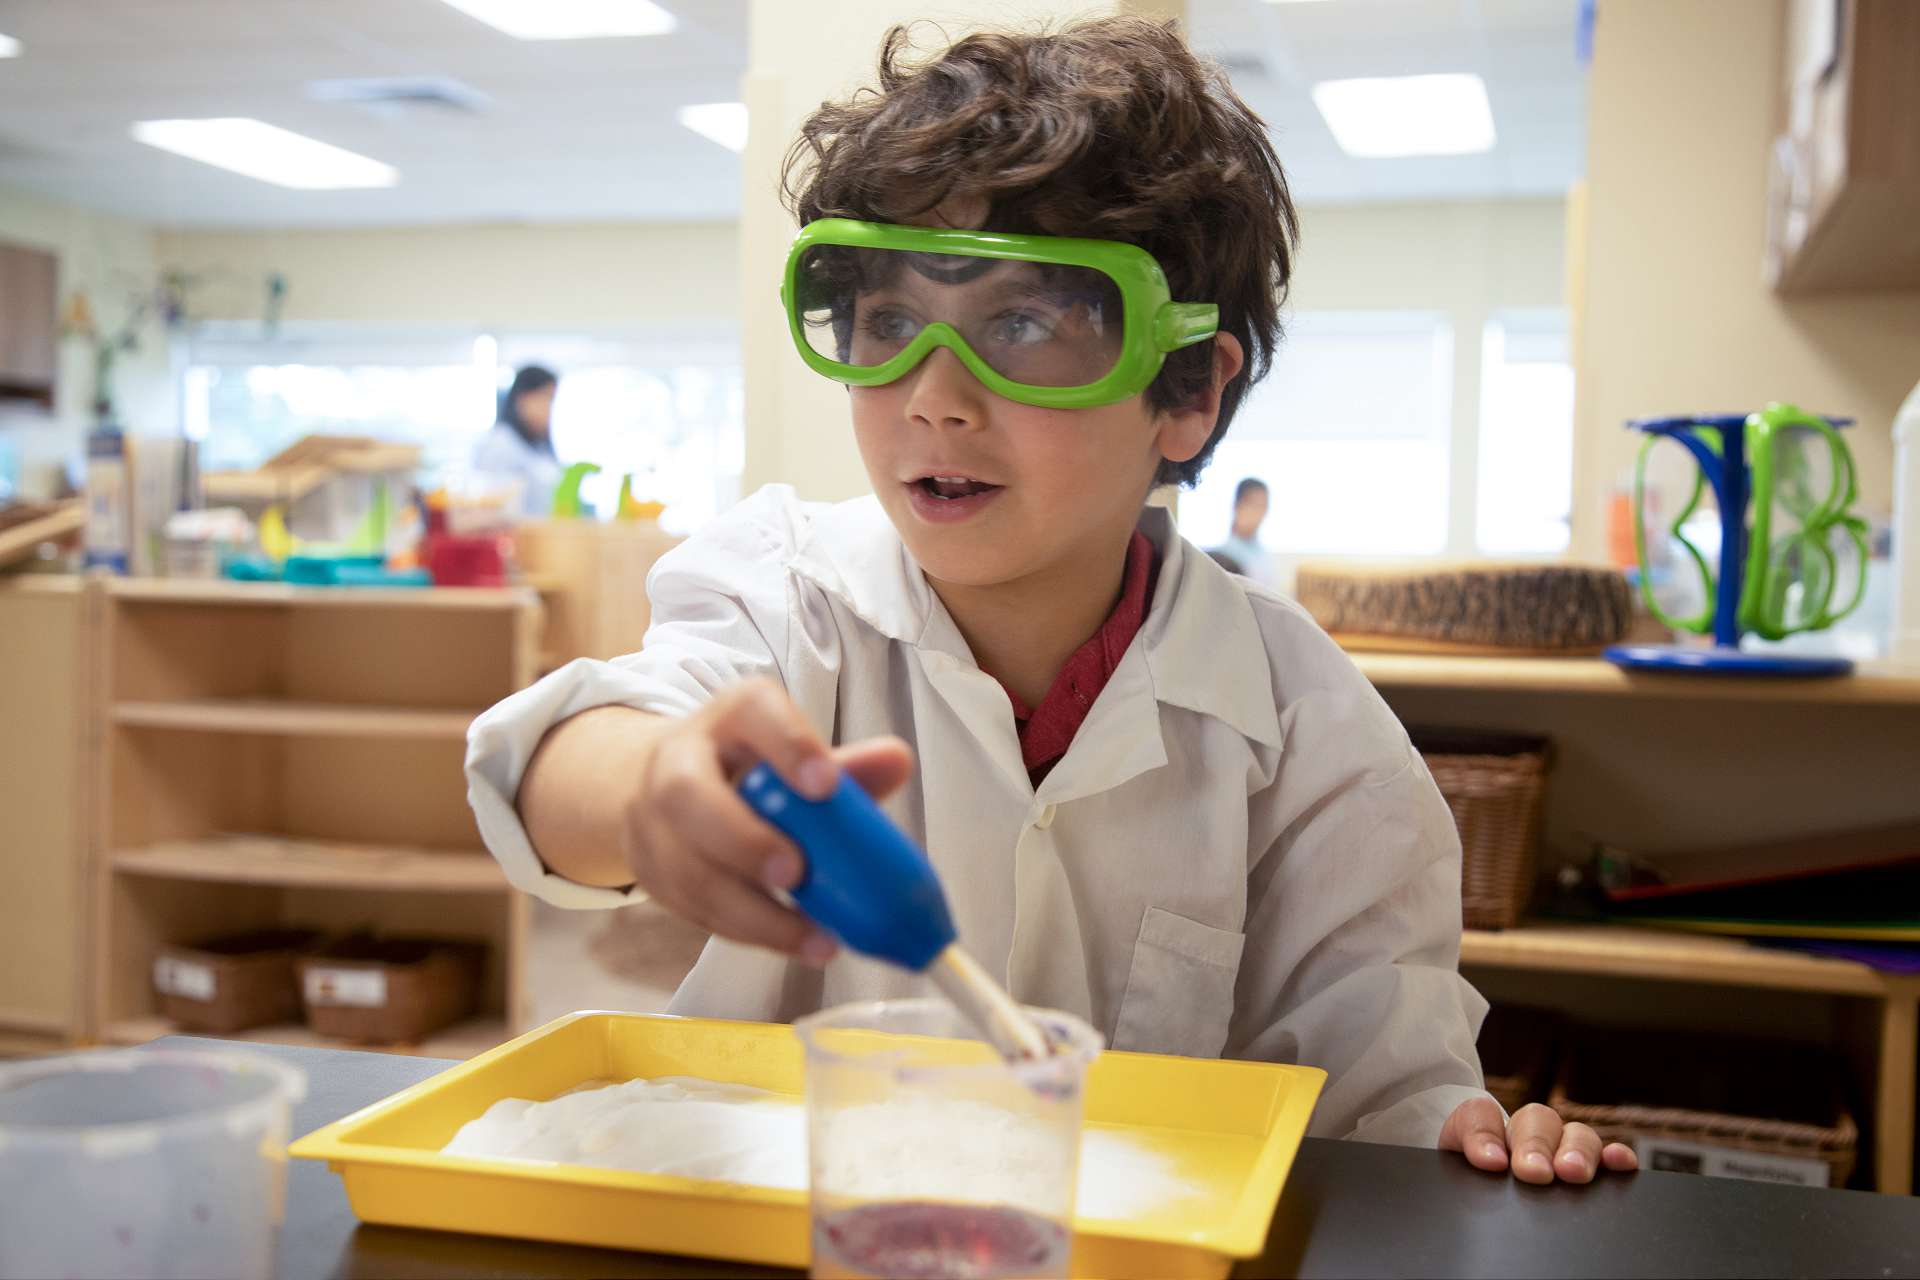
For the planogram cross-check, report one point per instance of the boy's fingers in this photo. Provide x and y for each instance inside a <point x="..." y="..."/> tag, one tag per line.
<point x="1533" y="1136"/>
<point x="879" y="765"/>
<point x="1578" y="1158"/>
<point x="757" y="721"/>
<point x="735" y="909"/>
<point x="1618" y="1157"/>
<point x="690" y="803"/>
<point x="1477" y="1130"/>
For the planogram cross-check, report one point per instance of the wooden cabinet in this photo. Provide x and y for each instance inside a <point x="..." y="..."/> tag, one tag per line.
<point x="1844" y="195"/>
<point x="29" y="318"/>
<point x="43" y="811"/>
<point x="592" y="577"/>
<point x="274" y="755"/>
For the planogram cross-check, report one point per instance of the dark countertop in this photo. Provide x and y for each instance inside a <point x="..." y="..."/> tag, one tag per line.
<point x="1349" y="1209"/>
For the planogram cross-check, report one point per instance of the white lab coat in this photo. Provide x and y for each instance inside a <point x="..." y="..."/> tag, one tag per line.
<point x="501" y="452"/>
<point x="1239" y="855"/>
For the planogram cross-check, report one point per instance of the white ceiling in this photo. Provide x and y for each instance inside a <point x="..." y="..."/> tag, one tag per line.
<point x="585" y="130"/>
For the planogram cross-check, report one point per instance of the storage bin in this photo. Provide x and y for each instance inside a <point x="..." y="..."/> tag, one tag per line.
<point x="1724" y="1106"/>
<point x="234" y="982"/>
<point x="1496" y="785"/>
<point x="390" y="990"/>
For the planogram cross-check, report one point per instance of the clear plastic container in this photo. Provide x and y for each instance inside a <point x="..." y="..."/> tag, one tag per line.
<point x="928" y="1155"/>
<point x="144" y="1162"/>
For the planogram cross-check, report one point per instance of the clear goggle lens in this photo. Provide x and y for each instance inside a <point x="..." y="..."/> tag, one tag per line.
<point x="1039" y="323"/>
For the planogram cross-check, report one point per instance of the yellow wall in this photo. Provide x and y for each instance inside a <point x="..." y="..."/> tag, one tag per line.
<point x="1682" y="102"/>
<point x="573" y="277"/>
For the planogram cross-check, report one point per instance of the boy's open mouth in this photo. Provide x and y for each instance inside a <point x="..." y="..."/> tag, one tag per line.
<point x="947" y="488"/>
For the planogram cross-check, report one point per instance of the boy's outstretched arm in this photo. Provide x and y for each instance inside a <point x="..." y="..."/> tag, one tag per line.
<point x="616" y="796"/>
<point x="606" y="782"/>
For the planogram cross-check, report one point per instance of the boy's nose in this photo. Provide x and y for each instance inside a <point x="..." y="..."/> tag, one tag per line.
<point x="944" y="394"/>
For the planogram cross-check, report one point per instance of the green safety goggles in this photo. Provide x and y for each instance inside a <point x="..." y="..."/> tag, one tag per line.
<point x="1052" y="321"/>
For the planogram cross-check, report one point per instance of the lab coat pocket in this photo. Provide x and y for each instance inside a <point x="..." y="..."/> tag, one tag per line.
<point x="1179" y="996"/>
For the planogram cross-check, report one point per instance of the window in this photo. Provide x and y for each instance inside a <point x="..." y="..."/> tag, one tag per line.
<point x="1526" y="435"/>
<point x="1350" y="433"/>
<point x="667" y="412"/>
<point x="1356" y="434"/>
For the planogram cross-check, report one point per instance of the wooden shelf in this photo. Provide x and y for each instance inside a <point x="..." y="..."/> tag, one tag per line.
<point x="462" y="1040"/>
<point x="1622" y="951"/>
<point x="276" y="860"/>
<point x="268" y="715"/>
<point x="223" y="591"/>
<point x="1873" y="684"/>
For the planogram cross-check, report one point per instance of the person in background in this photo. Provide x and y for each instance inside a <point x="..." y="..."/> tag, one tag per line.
<point x="1243" y="544"/>
<point x="520" y="446"/>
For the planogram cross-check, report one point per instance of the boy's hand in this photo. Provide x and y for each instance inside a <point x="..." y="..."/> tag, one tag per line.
<point x="1542" y="1146"/>
<point x="694" y="845"/>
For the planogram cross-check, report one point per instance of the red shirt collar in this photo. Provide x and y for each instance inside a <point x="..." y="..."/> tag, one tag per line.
<point x="1047" y="730"/>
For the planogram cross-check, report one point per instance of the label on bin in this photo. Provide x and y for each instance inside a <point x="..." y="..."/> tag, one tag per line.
<point x="360" y="988"/>
<point x="1677" y="1155"/>
<point x="176" y="977"/>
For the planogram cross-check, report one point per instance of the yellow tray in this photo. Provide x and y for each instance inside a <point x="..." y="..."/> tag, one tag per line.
<point x="1230" y="1127"/>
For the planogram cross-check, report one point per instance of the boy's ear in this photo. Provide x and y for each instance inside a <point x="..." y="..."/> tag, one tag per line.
<point x="1184" y="430"/>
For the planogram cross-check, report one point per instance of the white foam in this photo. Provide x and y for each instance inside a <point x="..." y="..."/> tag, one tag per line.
<point x="910" y="1148"/>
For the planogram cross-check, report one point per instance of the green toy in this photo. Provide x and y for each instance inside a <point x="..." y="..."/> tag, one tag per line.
<point x="1051" y="321"/>
<point x="1789" y="583"/>
<point x="566" y="495"/>
<point x="1779" y="572"/>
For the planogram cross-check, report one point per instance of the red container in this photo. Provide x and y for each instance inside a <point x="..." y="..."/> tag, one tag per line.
<point x="467" y="560"/>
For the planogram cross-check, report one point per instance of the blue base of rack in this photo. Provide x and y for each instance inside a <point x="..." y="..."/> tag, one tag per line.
<point x="1718" y="661"/>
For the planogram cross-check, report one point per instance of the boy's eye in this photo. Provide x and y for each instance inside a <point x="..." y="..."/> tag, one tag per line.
<point x="1020" y="328"/>
<point x="888" y="324"/>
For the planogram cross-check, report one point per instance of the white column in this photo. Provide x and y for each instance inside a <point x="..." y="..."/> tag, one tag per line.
<point x="799" y="55"/>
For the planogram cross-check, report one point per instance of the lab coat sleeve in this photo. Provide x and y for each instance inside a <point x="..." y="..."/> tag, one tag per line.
<point x="720" y="607"/>
<point x="1351" y="960"/>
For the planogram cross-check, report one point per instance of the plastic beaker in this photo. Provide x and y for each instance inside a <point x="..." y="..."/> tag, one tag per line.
<point x="929" y="1156"/>
<point x="144" y="1162"/>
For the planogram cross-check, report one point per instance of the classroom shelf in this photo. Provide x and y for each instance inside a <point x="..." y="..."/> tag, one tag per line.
<point x="278" y="860"/>
<point x="270" y="757"/>
<point x="278" y="716"/>
<point x="462" y="1040"/>
<point x="1872" y="684"/>
<point x="280" y="595"/>
<point x="1622" y="951"/>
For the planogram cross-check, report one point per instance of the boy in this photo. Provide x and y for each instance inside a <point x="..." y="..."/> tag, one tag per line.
<point x="1158" y="797"/>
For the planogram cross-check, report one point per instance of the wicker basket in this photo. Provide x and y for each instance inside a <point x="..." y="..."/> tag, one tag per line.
<point x="1732" y="1096"/>
<point x="1519" y="1048"/>
<point x="390" y="990"/>
<point x="1495" y="784"/>
<point x="232" y="983"/>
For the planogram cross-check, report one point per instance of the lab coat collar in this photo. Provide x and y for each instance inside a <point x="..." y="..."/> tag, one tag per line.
<point x="1198" y="648"/>
<point x="1201" y="641"/>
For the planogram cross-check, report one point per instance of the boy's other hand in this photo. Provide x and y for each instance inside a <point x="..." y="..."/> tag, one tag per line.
<point x="1535" y="1143"/>
<point x="694" y="845"/>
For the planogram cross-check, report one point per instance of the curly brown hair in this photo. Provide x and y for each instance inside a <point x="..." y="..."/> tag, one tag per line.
<point x="1110" y="128"/>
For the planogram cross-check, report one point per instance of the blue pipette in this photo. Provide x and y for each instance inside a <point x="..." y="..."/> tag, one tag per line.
<point x="873" y="889"/>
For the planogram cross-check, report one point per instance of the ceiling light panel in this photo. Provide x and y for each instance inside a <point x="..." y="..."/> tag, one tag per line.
<point x="1444" y="115"/>
<point x="259" y="150"/>
<point x="569" y="19"/>
<point x="9" y="47"/>
<point x="721" y="122"/>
